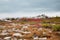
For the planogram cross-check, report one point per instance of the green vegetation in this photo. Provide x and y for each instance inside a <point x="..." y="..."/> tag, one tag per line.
<point x="46" y="25"/>
<point x="53" y="23"/>
<point x="56" y="28"/>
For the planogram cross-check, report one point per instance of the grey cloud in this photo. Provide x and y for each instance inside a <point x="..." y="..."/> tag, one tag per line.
<point x="29" y="5"/>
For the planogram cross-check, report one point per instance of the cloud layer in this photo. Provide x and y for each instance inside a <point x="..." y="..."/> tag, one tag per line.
<point x="20" y="8"/>
<point x="29" y="5"/>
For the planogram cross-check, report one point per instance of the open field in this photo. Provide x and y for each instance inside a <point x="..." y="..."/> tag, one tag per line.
<point x="30" y="29"/>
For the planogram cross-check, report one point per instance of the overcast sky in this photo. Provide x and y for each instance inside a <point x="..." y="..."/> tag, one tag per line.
<point x="20" y="8"/>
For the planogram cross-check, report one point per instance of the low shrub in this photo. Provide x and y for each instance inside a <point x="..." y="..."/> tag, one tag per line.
<point x="56" y="28"/>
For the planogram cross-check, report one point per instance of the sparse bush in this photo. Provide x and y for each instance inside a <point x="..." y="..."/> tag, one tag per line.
<point x="46" y="25"/>
<point x="56" y="28"/>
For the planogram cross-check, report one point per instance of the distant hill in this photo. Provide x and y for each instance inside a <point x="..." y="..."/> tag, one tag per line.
<point x="39" y="18"/>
